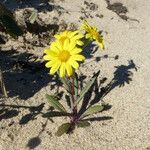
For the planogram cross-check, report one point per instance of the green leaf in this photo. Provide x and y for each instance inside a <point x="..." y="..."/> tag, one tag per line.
<point x="33" y="17"/>
<point x="93" y="109"/>
<point x="55" y="114"/>
<point x="83" y="124"/>
<point x="85" y="89"/>
<point x="55" y="103"/>
<point x="63" y="129"/>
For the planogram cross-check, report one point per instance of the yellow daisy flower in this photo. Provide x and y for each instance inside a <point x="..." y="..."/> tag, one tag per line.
<point x="63" y="57"/>
<point x="92" y="34"/>
<point x="74" y="36"/>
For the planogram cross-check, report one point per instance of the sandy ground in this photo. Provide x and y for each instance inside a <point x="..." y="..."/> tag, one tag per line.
<point x="126" y="125"/>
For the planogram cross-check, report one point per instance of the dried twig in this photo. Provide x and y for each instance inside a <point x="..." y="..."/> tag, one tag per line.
<point x="2" y="85"/>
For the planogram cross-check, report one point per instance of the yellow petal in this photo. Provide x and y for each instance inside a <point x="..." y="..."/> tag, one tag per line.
<point x="87" y="36"/>
<point x="86" y="25"/>
<point x="47" y="57"/>
<point x="66" y="44"/>
<point x="58" y="44"/>
<point x="50" y="64"/>
<point x="57" y="36"/>
<point x="69" y="69"/>
<point x="74" y="33"/>
<point x="79" y="36"/>
<point x="53" y="54"/>
<point x="73" y="63"/>
<point x="101" y="43"/>
<point x="71" y="45"/>
<point x="54" y="47"/>
<point x="75" y="51"/>
<point x="94" y="28"/>
<point x="78" y="57"/>
<point x="65" y="33"/>
<point x="62" y="70"/>
<point x="47" y="50"/>
<point x="80" y="43"/>
<point x="55" y="67"/>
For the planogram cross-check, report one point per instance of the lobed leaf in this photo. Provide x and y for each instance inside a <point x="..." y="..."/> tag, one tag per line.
<point x="55" y="103"/>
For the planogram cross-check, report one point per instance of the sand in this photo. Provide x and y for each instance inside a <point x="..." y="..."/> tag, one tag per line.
<point x="126" y="125"/>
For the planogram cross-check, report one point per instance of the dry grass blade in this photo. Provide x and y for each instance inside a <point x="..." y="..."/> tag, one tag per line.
<point x="2" y="85"/>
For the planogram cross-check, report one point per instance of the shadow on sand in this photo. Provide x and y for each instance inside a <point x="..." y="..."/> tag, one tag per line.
<point x="23" y="75"/>
<point x="40" y="5"/>
<point x="24" y="78"/>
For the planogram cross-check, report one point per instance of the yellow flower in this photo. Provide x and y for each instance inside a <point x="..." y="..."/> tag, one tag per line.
<point x="92" y="34"/>
<point x="63" y="57"/>
<point x="74" y="36"/>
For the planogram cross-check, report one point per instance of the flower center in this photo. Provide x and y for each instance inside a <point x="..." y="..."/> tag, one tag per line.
<point x="64" y="55"/>
<point x="94" y="33"/>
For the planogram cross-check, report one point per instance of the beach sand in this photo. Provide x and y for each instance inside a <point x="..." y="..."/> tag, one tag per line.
<point x="125" y="26"/>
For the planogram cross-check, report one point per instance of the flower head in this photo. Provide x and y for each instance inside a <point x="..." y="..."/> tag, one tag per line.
<point x="92" y="34"/>
<point x="74" y="36"/>
<point x="63" y="57"/>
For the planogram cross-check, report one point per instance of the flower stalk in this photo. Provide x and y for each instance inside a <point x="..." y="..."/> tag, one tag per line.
<point x="64" y="56"/>
<point x="74" y="110"/>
